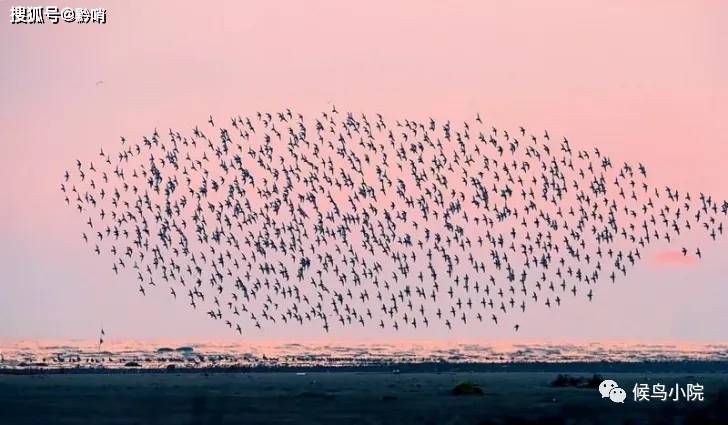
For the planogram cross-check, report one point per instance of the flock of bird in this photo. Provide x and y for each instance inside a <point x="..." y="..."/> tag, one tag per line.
<point x="350" y="220"/>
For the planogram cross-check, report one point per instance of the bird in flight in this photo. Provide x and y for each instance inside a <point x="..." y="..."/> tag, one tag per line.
<point x="101" y="338"/>
<point x="346" y="220"/>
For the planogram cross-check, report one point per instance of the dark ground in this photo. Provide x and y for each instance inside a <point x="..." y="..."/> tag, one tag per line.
<point x="346" y="397"/>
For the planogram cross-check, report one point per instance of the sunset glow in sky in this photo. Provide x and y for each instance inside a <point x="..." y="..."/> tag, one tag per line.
<point x="643" y="81"/>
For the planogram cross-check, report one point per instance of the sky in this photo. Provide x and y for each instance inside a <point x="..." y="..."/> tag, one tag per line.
<point x="644" y="81"/>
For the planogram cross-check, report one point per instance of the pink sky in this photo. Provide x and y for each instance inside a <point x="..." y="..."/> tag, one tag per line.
<point x="643" y="81"/>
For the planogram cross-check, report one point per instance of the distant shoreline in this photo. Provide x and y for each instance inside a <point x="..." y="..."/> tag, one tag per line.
<point x="685" y="366"/>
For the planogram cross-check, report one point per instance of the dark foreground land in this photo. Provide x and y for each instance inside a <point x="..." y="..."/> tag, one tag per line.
<point x="349" y="397"/>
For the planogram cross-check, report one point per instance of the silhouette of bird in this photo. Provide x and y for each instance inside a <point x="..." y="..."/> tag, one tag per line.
<point x="344" y="219"/>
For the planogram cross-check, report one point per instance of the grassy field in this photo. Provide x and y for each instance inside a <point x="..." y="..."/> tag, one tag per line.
<point x="345" y="398"/>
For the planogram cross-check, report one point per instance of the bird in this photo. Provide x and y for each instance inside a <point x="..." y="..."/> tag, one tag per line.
<point x="344" y="219"/>
<point x="101" y="338"/>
